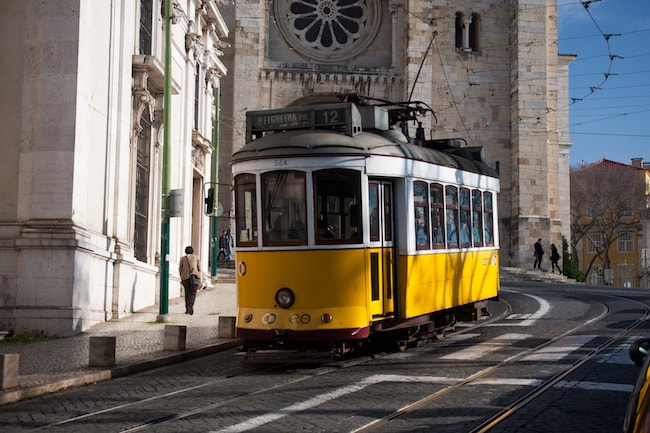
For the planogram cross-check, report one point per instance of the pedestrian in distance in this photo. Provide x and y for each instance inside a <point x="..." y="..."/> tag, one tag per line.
<point x="229" y="246"/>
<point x="189" y="269"/>
<point x="223" y="246"/>
<point x="555" y="257"/>
<point x="539" y="254"/>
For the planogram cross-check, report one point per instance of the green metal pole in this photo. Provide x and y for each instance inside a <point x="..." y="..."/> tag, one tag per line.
<point x="215" y="182"/>
<point x="165" y="211"/>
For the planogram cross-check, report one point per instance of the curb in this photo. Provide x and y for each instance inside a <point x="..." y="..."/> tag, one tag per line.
<point x="8" y="397"/>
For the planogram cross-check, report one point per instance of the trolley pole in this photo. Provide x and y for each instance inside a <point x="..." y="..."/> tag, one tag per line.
<point x="215" y="182"/>
<point x="165" y="211"/>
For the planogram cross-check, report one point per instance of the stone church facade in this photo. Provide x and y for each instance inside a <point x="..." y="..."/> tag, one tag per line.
<point x="489" y="69"/>
<point x="81" y="158"/>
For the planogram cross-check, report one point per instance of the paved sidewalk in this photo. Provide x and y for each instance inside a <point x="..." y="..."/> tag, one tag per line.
<point x="52" y="365"/>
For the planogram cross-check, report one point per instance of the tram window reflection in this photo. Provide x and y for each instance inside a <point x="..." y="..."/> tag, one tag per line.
<point x="437" y="216"/>
<point x="246" y="210"/>
<point x="464" y="218"/>
<point x="488" y="215"/>
<point x="451" y="214"/>
<point x="477" y="218"/>
<point x="336" y="194"/>
<point x="373" y="207"/>
<point x="421" y="207"/>
<point x="285" y="210"/>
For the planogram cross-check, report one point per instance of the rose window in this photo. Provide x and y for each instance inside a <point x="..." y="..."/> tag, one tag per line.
<point x="328" y="30"/>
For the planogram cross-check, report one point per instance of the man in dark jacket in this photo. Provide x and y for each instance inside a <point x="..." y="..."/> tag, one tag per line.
<point x="539" y="253"/>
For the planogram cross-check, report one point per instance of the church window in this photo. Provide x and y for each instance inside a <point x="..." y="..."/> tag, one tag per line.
<point x="460" y="17"/>
<point x="197" y="96"/>
<point x="142" y="174"/>
<point x="146" y="26"/>
<point x="328" y="30"/>
<point x="474" y="31"/>
<point x="467" y="32"/>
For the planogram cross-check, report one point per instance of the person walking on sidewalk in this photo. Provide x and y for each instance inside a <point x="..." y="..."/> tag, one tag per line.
<point x="223" y="246"/>
<point x="228" y="245"/>
<point x="189" y="270"/>
<point x="555" y="257"/>
<point x="539" y="253"/>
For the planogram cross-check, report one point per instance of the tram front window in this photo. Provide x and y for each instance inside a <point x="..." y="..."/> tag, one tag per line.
<point x="285" y="210"/>
<point x="336" y="209"/>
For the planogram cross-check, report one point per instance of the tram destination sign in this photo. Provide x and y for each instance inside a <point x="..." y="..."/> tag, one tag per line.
<point x="312" y="117"/>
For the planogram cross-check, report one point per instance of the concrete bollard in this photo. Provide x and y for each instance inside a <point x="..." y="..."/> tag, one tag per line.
<point x="226" y="327"/>
<point x="175" y="337"/>
<point x="9" y="371"/>
<point x="102" y="352"/>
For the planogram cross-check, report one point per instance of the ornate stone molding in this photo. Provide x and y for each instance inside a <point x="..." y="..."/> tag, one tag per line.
<point x="201" y="147"/>
<point x="212" y="76"/>
<point x="395" y="5"/>
<point x="142" y="100"/>
<point x="146" y="78"/>
<point x="352" y="80"/>
<point x="194" y="45"/>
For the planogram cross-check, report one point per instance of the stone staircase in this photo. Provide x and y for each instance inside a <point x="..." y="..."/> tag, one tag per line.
<point x="226" y="272"/>
<point x="509" y="274"/>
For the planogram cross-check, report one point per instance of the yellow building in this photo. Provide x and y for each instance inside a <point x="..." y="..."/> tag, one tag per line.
<point x="609" y="202"/>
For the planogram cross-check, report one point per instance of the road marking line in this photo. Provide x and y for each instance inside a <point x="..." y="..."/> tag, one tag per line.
<point x="380" y="378"/>
<point x="620" y="353"/>
<point x="481" y="349"/>
<point x="599" y="386"/>
<point x="544" y="308"/>
<point x="323" y="398"/>
<point x="560" y="349"/>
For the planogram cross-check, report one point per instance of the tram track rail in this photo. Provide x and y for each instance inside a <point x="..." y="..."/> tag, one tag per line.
<point x="379" y="424"/>
<point x="322" y="370"/>
<point x="533" y="394"/>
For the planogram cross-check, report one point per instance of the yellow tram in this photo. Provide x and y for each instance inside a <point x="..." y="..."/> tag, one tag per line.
<point x="347" y="230"/>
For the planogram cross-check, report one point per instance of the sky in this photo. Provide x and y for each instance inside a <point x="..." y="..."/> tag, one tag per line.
<point x="609" y="81"/>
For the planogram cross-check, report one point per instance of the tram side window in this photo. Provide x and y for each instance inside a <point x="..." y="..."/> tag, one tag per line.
<point x="336" y="195"/>
<point x="285" y="212"/>
<point x="488" y="214"/>
<point x="437" y="216"/>
<point x="464" y="218"/>
<point x="477" y="218"/>
<point x="421" y="210"/>
<point x="451" y="199"/>
<point x="245" y="210"/>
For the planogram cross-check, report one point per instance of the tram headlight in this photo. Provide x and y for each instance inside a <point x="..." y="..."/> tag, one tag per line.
<point x="268" y="318"/>
<point x="285" y="297"/>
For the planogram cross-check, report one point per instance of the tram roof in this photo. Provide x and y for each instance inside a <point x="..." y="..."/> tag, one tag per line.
<point x="318" y="143"/>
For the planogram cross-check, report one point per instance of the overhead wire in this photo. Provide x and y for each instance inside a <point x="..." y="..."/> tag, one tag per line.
<point x="609" y="72"/>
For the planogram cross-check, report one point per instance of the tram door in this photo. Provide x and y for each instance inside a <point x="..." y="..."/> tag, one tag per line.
<point x="382" y="247"/>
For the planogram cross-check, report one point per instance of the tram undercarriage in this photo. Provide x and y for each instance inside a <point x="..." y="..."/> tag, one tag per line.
<point x="388" y="335"/>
